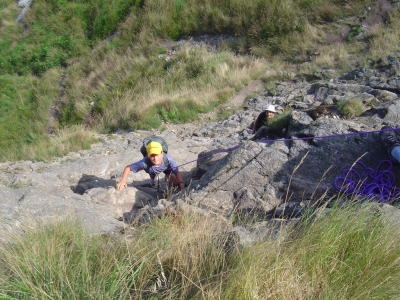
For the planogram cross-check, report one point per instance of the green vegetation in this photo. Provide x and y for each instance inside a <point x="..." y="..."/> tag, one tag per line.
<point x="350" y="107"/>
<point x="24" y="110"/>
<point x="355" y="31"/>
<point x="74" y="68"/>
<point x="348" y="252"/>
<point x="280" y="121"/>
<point x="109" y="65"/>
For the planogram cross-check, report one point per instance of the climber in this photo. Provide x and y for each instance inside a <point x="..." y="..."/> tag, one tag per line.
<point x="260" y="127"/>
<point x="264" y="118"/>
<point x="391" y="142"/>
<point x="154" y="163"/>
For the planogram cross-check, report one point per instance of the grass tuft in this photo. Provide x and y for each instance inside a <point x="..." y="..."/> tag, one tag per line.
<point x="346" y="251"/>
<point x="351" y="107"/>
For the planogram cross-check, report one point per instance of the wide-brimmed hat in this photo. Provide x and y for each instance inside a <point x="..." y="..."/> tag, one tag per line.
<point x="153" y="148"/>
<point x="270" y="108"/>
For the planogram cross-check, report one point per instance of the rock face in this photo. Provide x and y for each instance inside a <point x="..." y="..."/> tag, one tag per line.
<point x="224" y="169"/>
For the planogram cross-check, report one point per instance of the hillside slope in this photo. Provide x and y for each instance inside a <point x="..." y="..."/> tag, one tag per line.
<point x="98" y="69"/>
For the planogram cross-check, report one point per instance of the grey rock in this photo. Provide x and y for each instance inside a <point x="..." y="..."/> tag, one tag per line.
<point x="225" y="171"/>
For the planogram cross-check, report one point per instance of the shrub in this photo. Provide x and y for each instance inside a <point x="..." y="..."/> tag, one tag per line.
<point x="355" y="31"/>
<point x="351" y="107"/>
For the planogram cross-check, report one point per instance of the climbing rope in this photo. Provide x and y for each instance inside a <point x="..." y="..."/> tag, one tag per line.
<point x="326" y="136"/>
<point x="285" y="140"/>
<point x="376" y="184"/>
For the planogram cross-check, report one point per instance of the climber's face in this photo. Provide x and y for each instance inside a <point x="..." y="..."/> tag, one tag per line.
<point x="270" y="114"/>
<point x="156" y="159"/>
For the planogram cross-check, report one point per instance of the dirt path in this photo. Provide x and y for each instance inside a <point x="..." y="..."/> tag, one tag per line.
<point x="234" y="103"/>
<point x="237" y="100"/>
<point x="254" y="87"/>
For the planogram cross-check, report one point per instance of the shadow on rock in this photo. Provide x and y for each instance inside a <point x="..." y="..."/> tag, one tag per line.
<point x="88" y="182"/>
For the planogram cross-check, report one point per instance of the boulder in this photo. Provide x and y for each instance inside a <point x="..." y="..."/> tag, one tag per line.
<point x="225" y="171"/>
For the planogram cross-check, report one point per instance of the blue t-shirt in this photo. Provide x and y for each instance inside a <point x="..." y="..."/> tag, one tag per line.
<point x="140" y="165"/>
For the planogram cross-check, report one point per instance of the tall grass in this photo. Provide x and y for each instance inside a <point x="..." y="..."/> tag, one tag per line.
<point x="24" y="110"/>
<point x="113" y="67"/>
<point x="24" y="120"/>
<point x="63" y="141"/>
<point x="139" y="86"/>
<point x="61" y="262"/>
<point x="348" y="252"/>
<point x="385" y="38"/>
